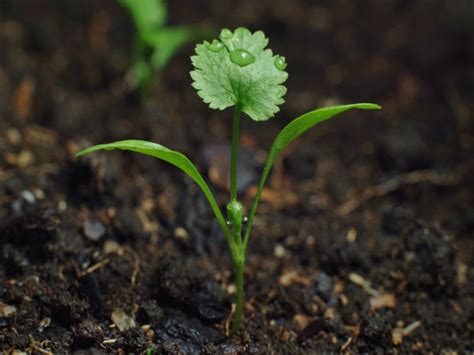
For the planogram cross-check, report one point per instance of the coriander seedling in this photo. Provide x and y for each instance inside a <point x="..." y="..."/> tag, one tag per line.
<point x="155" y="43"/>
<point x="237" y="70"/>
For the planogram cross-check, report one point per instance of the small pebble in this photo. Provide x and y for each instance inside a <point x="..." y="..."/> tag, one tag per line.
<point x="25" y="158"/>
<point x="231" y="289"/>
<point x="28" y="196"/>
<point x="13" y="136"/>
<point x="351" y="235"/>
<point x="5" y="322"/>
<point x="279" y="251"/>
<point x="62" y="206"/>
<point x="17" y="206"/>
<point x="397" y="336"/>
<point x="93" y="229"/>
<point x="181" y="233"/>
<point x="39" y="194"/>
<point x="323" y="285"/>
<point x="7" y="310"/>
<point x="122" y="321"/>
<point x="111" y="246"/>
<point x="383" y="300"/>
<point x="301" y="320"/>
<point x="44" y="323"/>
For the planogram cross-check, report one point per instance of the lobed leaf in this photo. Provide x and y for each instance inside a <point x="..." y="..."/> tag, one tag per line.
<point x="255" y="88"/>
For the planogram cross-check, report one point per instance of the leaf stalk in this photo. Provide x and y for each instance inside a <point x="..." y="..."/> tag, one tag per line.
<point x="234" y="153"/>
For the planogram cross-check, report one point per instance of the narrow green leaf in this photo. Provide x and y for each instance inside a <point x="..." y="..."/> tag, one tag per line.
<point x="301" y="124"/>
<point x="147" y="14"/>
<point x="175" y="158"/>
<point x="288" y="134"/>
<point x="167" y="41"/>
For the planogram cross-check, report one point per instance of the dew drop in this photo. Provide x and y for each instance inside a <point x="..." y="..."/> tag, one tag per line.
<point x="215" y="46"/>
<point x="226" y="33"/>
<point x="241" y="57"/>
<point x="280" y="62"/>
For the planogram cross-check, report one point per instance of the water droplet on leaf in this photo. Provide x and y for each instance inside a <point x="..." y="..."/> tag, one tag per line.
<point x="226" y="33"/>
<point x="241" y="57"/>
<point x="280" y="62"/>
<point x="215" y="46"/>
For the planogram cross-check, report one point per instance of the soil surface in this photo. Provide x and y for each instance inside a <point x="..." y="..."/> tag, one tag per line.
<point x="363" y="242"/>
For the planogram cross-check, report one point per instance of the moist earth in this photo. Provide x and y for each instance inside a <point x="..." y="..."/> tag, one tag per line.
<point x="363" y="242"/>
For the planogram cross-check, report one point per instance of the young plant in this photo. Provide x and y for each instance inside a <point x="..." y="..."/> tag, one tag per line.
<point x="237" y="70"/>
<point x="155" y="44"/>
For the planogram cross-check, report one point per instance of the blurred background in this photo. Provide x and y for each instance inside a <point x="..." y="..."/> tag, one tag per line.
<point x="66" y="80"/>
<point x="70" y="77"/>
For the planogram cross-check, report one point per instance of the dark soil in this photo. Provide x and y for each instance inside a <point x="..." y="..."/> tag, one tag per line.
<point x="364" y="239"/>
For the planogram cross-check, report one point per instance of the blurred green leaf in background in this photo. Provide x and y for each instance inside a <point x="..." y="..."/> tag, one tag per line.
<point x="155" y="43"/>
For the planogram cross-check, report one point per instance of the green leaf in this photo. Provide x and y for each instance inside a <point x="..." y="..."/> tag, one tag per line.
<point x="166" y="42"/>
<point x="254" y="84"/>
<point x="143" y="73"/>
<point x="288" y="134"/>
<point x="147" y="14"/>
<point x="175" y="158"/>
<point x="301" y="124"/>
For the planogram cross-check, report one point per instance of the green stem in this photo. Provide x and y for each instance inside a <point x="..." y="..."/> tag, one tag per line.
<point x="235" y="216"/>
<point x="233" y="159"/>
<point x="239" y="280"/>
<point x="253" y="209"/>
<point x="138" y="49"/>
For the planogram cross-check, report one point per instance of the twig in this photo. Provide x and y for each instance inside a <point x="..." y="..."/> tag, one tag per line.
<point x="33" y="346"/>
<point x="345" y="345"/>
<point x="360" y="281"/>
<point x="411" y="178"/>
<point x="411" y="327"/>
<point x="95" y="267"/>
<point x="228" y="321"/>
<point x="136" y="266"/>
